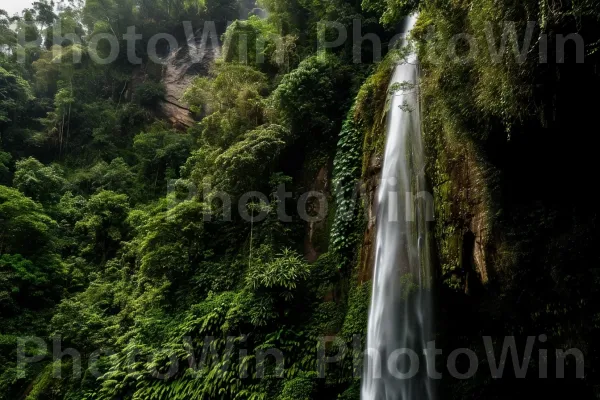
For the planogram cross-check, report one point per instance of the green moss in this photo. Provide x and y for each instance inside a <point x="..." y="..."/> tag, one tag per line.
<point x="370" y="111"/>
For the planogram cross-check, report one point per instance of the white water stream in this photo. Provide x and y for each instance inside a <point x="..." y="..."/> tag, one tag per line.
<point x="400" y="315"/>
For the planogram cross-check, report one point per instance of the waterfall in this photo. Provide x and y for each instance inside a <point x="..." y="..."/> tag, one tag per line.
<point x="400" y="315"/>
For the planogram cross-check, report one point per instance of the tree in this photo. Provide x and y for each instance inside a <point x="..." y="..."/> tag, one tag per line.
<point x="257" y="43"/>
<point x="149" y="93"/>
<point x="108" y="16"/>
<point x="171" y="242"/>
<point x="67" y="212"/>
<point x="390" y="11"/>
<point x="280" y="275"/>
<point x="243" y="166"/>
<point x="61" y="116"/>
<point x="19" y="282"/>
<point x="288" y="16"/>
<point x="44" y="11"/>
<point x="105" y="132"/>
<point x="4" y="170"/>
<point x="232" y="102"/>
<point x="26" y="26"/>
<point x="65" y="25"/>
<point x="116" y="176"/>
<point x="15" y="92"/>
<point x="161" y="151"/>
<point x="8" y="38"/>
<point x="24" y="227"/>
<point x="308" y="99"/>
<point x="38" y="181"/>
<point x="104" y="225"/>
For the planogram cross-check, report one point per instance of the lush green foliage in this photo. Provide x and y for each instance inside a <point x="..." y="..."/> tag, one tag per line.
<point x="37" y="181"/>
<point x="15" y="92"/>
<point x="256" y="42"/>
<point x="112" y="233"/>
<point x="307" y="97"/>
<point x="233" y="101"/>
<point x="25" y="227"/>
<point x="347" y="186"/>
<point x="391" y="11"/>
<point x="148" y="93"/>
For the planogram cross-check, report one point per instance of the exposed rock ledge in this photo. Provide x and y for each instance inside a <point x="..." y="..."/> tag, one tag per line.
<point x="182" y="66"/>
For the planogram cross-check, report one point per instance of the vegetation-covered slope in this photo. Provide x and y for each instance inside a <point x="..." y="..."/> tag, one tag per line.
<point x="113" y="235"/>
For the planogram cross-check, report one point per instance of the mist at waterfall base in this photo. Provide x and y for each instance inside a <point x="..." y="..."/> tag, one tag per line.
<point x="400" y="315"/>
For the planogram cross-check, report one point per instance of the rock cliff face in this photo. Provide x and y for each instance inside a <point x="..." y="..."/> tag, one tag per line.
<point x="367" y="250"/>
<point x="316" y="230"/>
<point x="465" y="245"/>
<point x="463" y="228"/>
<point x="370" y="114"/>
<point x="182" y="66"/>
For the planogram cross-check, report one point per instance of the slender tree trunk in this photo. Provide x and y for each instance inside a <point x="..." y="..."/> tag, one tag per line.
<point x="69" y="119"/>
<point x="251" y="237"/>
<point x="156" y="178"/>
<point x="68" y="127"/>
<point x="121" y="95"/>
<point x="60" y="136"/>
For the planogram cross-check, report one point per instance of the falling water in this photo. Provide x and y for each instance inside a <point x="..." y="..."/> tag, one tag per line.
<point x="400" y="316"/>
